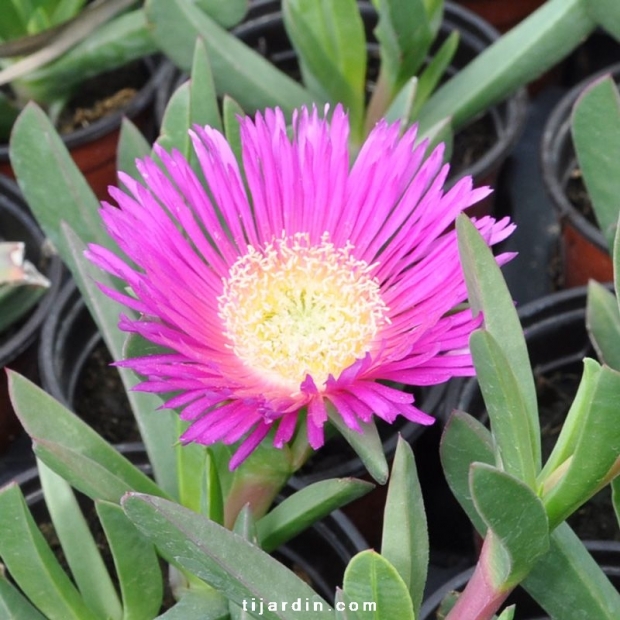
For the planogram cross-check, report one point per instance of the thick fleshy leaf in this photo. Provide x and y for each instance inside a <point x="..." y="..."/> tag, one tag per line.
<point x="238" y="569"/>
<point x="506" y="407"/>
<point x="465" y="441"/>
<point x="616" y="260"/>
<point x="193" y="103"/>
<point x="132" y="145"/>
<point x="238" y="70"/>
<point x="32" y="563"/>
<point x="607" y="15"/>
<point x="615" y="497"/>
<point x="198" y="605"/>
<point x="434" y="71"/>
<point x="404" y="542"/>
<point x="596" y="449"/>
<point x="596" y="133"/>
<point x="299" y="511"/>
<point x="489" y="294"/>
<point x="584" y="585"/>
<point x="34" y="147"/>
<point x="342" y="606"/>
<point x="79" y="546"/>
<point x="517" y="519"/>
<point x="401" y="108"/>
<point x="377" y="588"/>
<point x="68" y="441"/>
<point x="603" y="323"/>
<point x="330" y="42"/>
<point x="508" y="613"/>
<point x="528" y="50"/>
<point x="227" y="13"/>
<point x="13" y="604"/>
<point x="405" y="33"/>
<point x="232" y="112"/>
<point x="136" y="563"/>
<point x="366" y="444"/>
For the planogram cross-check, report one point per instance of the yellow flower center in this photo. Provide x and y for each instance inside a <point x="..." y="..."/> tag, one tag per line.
<point x="293" y="309"/>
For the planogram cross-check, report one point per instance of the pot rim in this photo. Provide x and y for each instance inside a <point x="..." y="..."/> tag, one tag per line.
<point x="556" y="138"/>
<point x="158" y="68"/>
<point x="13" y="204"/>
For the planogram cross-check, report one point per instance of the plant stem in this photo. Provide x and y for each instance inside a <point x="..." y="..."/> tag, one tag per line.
<point x="481" y="599"/>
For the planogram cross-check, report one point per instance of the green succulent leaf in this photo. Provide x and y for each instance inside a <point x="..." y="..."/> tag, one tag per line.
<point x="194" y="103"/>
<point x="584" y="585"/>
<point x="405" y="32"/>
<point x="434" y="71"/>
<point x="330" y="42"/>
<point x="16" y="302"/>
<point x="136" y="563"/>
<point x="366" y="444"/>
<point x="343" y="607"/>
<point x="14" y="605"/>
<point x="198" y="605"/>
<point x="401" y="107"/>
<point x="132" y="145"/>
<point x="32" y="563"/>
<point x="79" y="546"/>
<point x="227" y="14"/>
<point x="306" y="506"/>
<point x="508" y="613"/>
<point x="596" y="133"/>
<point x="236" y="568"/>
<point x="505" y="405"/>
<point x="232" y="112"/>
<point x="607" y="15"/>
<point x="603" y="323"/>
<point x="465" y="441"/>
<point x="377" y="588"/>
<point x="517" y="519"/>
<point x="596" y="448"/>
<point x="238" y="70"/>
<point x="404" y="542"/>
<point x="518" y="57"/>
<point x="503" y="344"/>
<point x="65" y="442"/>
<point x="54" y="192"/>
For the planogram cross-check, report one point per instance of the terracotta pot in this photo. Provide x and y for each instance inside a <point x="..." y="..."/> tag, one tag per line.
<point x="94" y="146"/>
<point x="607" y="555"/>
<point x="502" y="14"/>
<point x="18" y="346"/>
<point x="583" y="249"/>
<point x="264" y="31"/>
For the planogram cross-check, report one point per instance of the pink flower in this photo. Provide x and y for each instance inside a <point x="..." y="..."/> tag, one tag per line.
<point x="297" y="285"/>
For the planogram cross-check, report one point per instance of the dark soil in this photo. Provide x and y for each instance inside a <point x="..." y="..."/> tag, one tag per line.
<point x="101" y="401"/>
<point x="471" y="143"/>
<point x="102" y="96"/>
<point x="577" y="193"/>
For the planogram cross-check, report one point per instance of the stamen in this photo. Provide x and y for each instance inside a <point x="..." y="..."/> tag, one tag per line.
<point x="292" y="309"/>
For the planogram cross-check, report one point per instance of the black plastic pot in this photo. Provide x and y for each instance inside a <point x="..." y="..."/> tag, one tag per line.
<point x="93" y="147"/>
<point x="320" y="553"/>
<point x="19" y="344"/>
<point x="264" y="31"/>
<point x="606" y="553"/>
<point x="74" y="367"/>
<point x="584" y="251"/>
